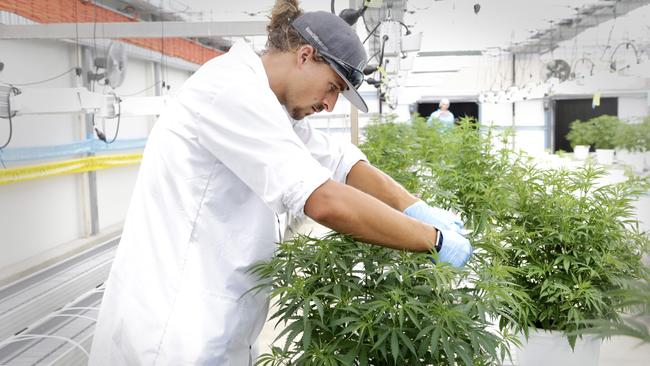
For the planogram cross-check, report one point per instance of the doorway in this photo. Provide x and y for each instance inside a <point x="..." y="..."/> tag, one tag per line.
<point x="459" y="109"/>
<point x="569" y="110"/>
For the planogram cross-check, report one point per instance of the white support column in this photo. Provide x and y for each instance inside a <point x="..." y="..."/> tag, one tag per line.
<point x="91" y="206"/>
<point x="354" y="125"/>
<point x="354" y="112"/>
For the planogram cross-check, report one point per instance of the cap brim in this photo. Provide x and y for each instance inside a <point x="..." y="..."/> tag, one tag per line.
<point x="351" y="93"/>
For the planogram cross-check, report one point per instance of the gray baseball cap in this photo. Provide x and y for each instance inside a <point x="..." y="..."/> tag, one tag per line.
<point x="340" y="46"/>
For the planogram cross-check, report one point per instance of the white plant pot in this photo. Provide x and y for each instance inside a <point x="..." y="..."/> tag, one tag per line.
<point x="633" y="159"/>
<point x="545" y="348"/>
<point x="605" y="156"/>
<point x="581" y="152"/>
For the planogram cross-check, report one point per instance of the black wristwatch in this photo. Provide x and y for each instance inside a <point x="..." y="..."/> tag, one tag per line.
<point x="438" y="241"/>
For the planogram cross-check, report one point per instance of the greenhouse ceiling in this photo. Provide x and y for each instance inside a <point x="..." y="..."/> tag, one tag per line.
<point x="450" y="24"/>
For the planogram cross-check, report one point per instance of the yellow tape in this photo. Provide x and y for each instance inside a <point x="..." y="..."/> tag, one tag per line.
<point x="81" y="165"/>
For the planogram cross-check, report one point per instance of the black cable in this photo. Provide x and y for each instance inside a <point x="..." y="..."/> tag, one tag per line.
<point x="383" y="44"/>
<point x="609" y="37"/>
<point x="371" y="32"/>
<point x="374" y="55"/>
<point x="408" y="30"/>
<point x="10" y="128"/>
<point x="94" y="29"/>
<point x="627" y="45"/>
<point x="45" y="80"/>
<point x="10" y="131"/>
<point x="76" y="34"/>
<point x="380" y="51"/>
<point x="163" y="66"/>
<point x="332" y="7"/>
<point x="119" y="118"/>
<point x="105" y="58"/>
<point x="583" y="60"/>
<point x="368" y="29"/>
<point x="363" y="18"/>
<point x="144" y="90"/>
<point x="100" y="134"/>
<point x="9" y="116"/>
<point x="94" y="53"/>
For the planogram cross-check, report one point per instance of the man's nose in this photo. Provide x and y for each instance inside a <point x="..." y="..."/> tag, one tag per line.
<point x="330" y="101"/>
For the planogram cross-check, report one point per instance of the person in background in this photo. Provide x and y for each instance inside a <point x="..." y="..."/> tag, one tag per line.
<point x="230" y="153"/>
<point x="443" y="114"/>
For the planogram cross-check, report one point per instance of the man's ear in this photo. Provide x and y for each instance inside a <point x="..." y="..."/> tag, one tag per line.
<point x="304" y="53"/>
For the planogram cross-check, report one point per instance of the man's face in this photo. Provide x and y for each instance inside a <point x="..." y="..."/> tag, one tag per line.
<point x="313" y="87"/>
<point x="444" y="107"/>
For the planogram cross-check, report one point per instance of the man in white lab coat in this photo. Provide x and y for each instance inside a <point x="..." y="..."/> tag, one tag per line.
<point x="221" y="163"/>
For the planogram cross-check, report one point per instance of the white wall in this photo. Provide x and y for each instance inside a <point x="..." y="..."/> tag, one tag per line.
<point x="633" y="107"/>
<point x="40" y="214"/>
<point x="529" y="121"/>
<point x="39" y="217"/>
<point x="529" y="113"/>
<point x="174" y="79"/>
<point x="24" y="63"/>
<point x="114" y="190"/>
<point x="497" y="114"/>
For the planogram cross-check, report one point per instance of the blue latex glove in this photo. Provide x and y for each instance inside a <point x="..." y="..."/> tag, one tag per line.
<point x="455" y="249"/>
<point x="436" y="217"/>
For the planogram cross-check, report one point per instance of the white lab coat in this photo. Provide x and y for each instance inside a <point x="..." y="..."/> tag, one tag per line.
<point x="221" y="163"/>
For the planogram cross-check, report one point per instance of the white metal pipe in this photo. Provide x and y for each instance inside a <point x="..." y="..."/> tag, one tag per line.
<point x="132" y="30"/>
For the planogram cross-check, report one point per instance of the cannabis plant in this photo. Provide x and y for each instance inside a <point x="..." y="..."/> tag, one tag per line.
<point x="345" y="302"/>
<point x="550" y="248"/>
<point x="604" y="128"/>
<point x="391" y="147"/>
<point x="634" y="322"/>
<point x="566" y="240"/>
<point x="630" y="137"/>
<point x="601" y="132"/>
<point x="455" y="168"/>
<point x="467" y="171"/>
<point x="580" y="133"/>
<point x="645" y="133"/>
<point x="574" y="240"/>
